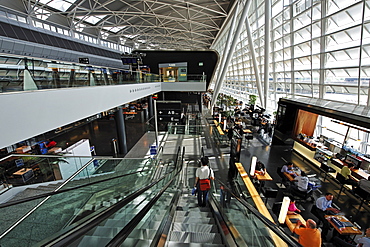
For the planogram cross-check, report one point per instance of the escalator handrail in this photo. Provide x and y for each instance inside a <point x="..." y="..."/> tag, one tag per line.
<point x="31" y="198"/>
<point x="83" y="228"/>
<point x="126" y="231"/>
<point x="271" y="225"/>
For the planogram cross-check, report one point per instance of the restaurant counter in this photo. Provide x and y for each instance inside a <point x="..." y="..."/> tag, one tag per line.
<point x="306" y="151"/>
<point x="356" y="173"/>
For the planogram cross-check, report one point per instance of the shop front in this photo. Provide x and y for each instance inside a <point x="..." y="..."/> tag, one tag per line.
<point x="324" y="133"/>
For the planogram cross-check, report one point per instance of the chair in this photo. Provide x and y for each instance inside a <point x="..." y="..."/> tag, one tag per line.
<point x="364" y="196"/>
<point x="342" y="180"/>
<point x="249" y="137"/>
<point x="301" y="195"/>
<point x="282" y="176"/>
<point x="269" y="192"/>
<point x="314" y="212"/>
<point x="327" y="169"/>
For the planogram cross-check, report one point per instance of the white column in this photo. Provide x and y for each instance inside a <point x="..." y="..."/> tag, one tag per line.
<point x="219" y="82"/>
<point x="254" y="60"/>
<point x="267" y="50"/>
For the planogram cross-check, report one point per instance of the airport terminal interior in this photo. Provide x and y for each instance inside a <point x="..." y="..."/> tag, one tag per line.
<point x="117" y="113"/>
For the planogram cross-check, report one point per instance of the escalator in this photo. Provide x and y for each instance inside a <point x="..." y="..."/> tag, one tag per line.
<point x="150" y="207"/>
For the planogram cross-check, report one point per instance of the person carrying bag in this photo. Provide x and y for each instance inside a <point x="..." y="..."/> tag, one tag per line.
<point x="203" y="176"/>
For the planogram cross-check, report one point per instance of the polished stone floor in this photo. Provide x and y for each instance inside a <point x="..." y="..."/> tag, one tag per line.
<point x="271" y="155"/>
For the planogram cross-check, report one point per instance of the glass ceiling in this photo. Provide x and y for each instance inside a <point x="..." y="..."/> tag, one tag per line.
<point x="163" y="24"/>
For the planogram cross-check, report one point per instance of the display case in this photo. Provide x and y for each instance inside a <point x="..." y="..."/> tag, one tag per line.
<point x="323" y="155"/>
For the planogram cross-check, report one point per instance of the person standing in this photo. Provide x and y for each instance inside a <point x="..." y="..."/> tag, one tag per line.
<point x="309" y="235"/>
<point x="324" y="207"/>
<point x="203" y="173"/>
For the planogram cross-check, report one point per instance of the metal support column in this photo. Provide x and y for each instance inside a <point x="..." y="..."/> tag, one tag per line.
<point x="221" y="66"/>
<point x="324" y="23"/>
<point x="156" y="123"/>
<point x="254" y="59"/>
<point x="150" y="106"/>
<point x="267" y="50"/>
<point x="120" y="125"/>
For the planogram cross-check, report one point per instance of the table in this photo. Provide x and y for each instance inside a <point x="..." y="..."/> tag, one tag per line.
<point x="349" y="230"/>
<point x="289" y="176"/>
<point x="219" y="128"/>
<point x="265" y="177"/>
<point x="25" y="173"/>
<point x="23" y="149"/>
<point x="55" y="150"/>
<point x="292" y="225"/>
<point x="21" y="171"/>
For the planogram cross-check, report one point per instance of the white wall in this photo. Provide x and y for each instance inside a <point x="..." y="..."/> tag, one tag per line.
<point x="184" y="86"/>
<point x="81" y="149"/>
<point x="30" y="113"/>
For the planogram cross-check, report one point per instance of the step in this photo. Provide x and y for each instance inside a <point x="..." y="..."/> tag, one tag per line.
<point x="206" y="228"/>
<point x="106" y="231"/>
<point x="192" y="220"/>
<point x="193" y="214"/>
<point x="192" y="237"/>
<point x="177" y="244"/>
<point x="94" y="241"/>
<point x="143" y="234"/>
<point x="133" y="242"/>
<point x="193" y="208"/>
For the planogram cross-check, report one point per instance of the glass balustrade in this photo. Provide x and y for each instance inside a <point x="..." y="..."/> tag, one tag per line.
<point x="61" y="210"/>
<point x="19" y="74"/>
<point x="247" y="228"/>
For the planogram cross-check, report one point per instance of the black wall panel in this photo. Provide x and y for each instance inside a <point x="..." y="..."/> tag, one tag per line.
<point x="21" y="33"/>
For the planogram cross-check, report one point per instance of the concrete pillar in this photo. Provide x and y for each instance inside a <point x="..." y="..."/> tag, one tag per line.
<point x="120" y="125"/>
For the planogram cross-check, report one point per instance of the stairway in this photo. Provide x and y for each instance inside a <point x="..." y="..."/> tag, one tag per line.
<point x="142" y="235"/>
<point x="193" y="226"/>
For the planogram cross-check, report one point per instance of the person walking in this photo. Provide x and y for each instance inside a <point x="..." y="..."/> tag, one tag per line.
<point x="203" y="175"/>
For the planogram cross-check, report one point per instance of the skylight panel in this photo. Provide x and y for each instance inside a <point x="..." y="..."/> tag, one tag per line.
<point x="94" y="19"/>
<point x="114" y="29"/>
<point x="131" y="36"/>
<point x="61" y="5"/>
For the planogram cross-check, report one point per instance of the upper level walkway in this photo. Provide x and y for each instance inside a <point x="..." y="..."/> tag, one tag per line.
<point x="27" y="114"/>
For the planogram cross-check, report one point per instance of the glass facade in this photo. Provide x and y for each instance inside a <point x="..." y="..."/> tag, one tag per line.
<point x="318" y="49"/>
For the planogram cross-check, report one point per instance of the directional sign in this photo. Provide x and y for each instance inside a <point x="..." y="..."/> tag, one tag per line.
<point x="169" y="112"/>
<point x="168" y="119"/>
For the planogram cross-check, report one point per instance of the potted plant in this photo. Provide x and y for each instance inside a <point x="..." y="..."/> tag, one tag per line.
<point x="252" y="99"/>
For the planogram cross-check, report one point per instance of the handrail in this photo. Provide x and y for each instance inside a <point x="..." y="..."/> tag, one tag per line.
<point x="43" y="201"/>
<point x="46" y="194"/>
<point x="83" y="228"/>
<point x="271" y="225"/>
<point x="126" y="231"/>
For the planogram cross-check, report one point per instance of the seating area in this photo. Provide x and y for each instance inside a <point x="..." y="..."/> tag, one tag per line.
<point x="353" y="204"/>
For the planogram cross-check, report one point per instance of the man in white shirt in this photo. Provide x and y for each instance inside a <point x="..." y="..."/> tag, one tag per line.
<point x="365" y="240"/>
<point x="302" y="182"/>
<point x="203" y="172"/>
